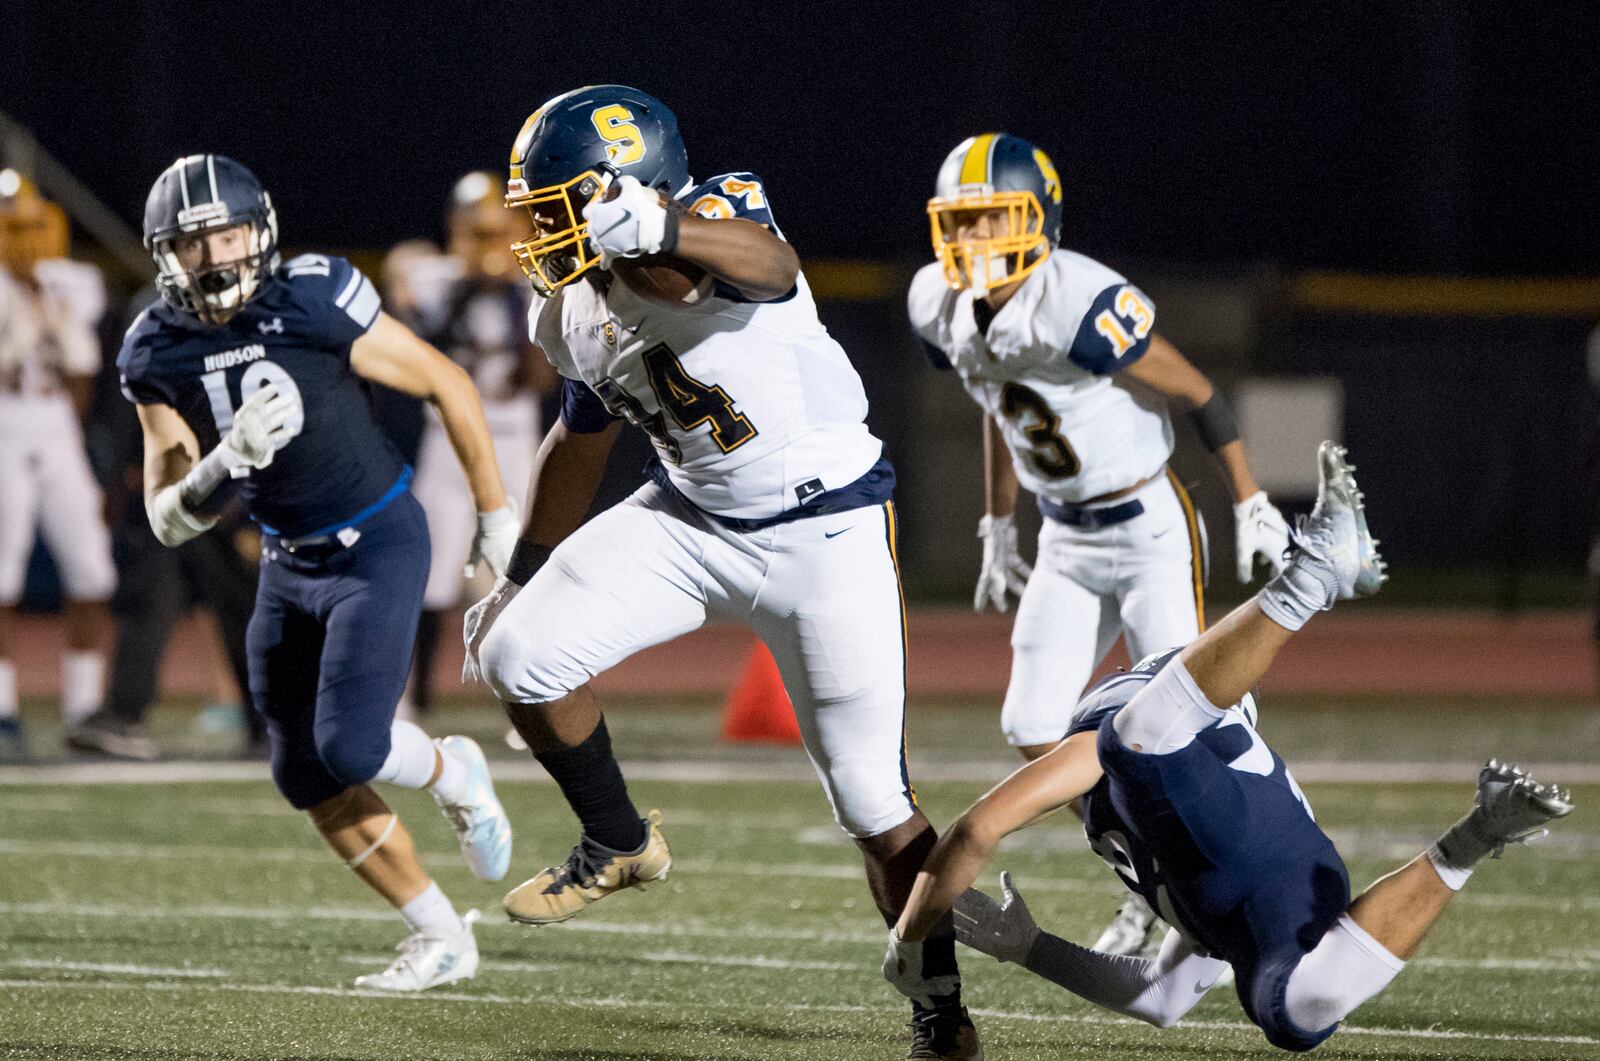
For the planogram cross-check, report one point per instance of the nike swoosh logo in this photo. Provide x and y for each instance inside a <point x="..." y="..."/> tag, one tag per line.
<point x="1159" y="533"/>
<point x="623" y="220"/>
<point x="835" y="534"/>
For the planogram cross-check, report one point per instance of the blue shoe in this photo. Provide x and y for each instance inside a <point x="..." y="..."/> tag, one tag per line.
<point x="479" y="821"/>
<point x="13" y="746"/>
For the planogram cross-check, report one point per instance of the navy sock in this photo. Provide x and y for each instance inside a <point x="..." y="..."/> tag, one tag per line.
<point x="592" y="782"/>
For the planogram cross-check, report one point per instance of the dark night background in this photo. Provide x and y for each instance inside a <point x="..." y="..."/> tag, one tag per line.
<point x="1409" y="136"/>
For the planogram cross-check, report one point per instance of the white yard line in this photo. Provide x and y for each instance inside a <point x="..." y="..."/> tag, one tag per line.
<point x="614" y="1002"/>
<point x="111" y="967"/>
<point x="724" y="772"/>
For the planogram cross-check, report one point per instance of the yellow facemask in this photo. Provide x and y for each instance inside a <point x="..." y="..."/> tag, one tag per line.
<point x="983" y="264"/>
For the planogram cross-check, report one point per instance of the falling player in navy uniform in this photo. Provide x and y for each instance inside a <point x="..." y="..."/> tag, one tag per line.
<point x="1192" y="810"/>
<point x="249" y="374"/>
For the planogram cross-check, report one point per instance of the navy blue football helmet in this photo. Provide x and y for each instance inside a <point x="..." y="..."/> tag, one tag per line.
<point x="991" y="174"/>
<point x="200" y="194"/>
<point x="568" y="152"/>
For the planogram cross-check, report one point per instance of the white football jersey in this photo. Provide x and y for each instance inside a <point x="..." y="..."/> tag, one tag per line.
<point x="47" y="333"/>
<point x="1045" y="372"/>
<point x="753" y="408"/>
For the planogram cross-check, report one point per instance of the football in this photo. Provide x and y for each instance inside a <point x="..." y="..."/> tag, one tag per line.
<point x="663" y="278"/>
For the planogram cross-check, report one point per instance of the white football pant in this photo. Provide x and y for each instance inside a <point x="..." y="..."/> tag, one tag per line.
<point x="822" y="592"/>
<point x="45" y="483"/>
<point x="1142" y="577"/>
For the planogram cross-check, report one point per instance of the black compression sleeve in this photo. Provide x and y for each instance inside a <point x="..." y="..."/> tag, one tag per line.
<point x="526" y="560"/>
<point x="1215" y="423"/>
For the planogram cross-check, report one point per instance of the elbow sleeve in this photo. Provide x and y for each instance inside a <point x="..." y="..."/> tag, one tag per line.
<point x="172" y="523"/>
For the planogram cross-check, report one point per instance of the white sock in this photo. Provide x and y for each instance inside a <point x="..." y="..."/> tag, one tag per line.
<point x="431" y="914"/>
<point x="452" y="784"/>
<point x="411" y="757"/>
<point x="1164" y="716"/>
<point x="1346" y="968"/>
<point x="1292" y="597"/>
<point x="8" y="689"/>
<point x="1453" y="876"/>
<point x="82" y="684"/>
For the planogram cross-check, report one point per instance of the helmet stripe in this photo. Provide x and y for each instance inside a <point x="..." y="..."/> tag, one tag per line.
<point x="183" y="180"/>
<point x="975" y="168"/>
<point x="211" y="172"/>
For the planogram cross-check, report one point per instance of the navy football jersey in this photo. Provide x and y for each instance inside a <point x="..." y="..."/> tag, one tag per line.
<point x="1217" y="836"/>
<point x="296" y="333"/>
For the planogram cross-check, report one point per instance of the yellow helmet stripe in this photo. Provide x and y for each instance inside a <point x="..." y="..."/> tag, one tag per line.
<point x="975" y="167"/>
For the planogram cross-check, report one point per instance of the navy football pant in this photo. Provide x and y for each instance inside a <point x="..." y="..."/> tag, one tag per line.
<point x="330" y="647"/>
<point x="1242" y="863"/>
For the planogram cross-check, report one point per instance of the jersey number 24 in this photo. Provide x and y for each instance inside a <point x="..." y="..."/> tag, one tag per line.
<point x="690" y="402"/>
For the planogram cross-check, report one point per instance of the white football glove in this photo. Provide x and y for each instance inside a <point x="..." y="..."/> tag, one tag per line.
<point x="479" y="620"/>
<point x="496" y="537"/>
<point x="1004" y="570"/>
<point x="1004" y="930"/>
<point x="902" y="967"/>
<point x="261" y="427"/>
<point x="1261" y="532"/>
<point x="628" y="226"/>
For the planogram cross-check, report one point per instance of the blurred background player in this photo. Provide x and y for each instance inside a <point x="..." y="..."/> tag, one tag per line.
<point x="770" y="504"/>
<point x="1168" y="763"/>
<point x="49" y="354"/>
<point x="249" y="373"/>
<point x="156" y="586"/>
<point x="472" y="303"/>
<point x="1061" y="354"/>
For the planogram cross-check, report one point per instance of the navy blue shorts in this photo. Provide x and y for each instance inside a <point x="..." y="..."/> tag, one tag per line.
<point x="330" y="650"/>
<point x="1224" y="843"/>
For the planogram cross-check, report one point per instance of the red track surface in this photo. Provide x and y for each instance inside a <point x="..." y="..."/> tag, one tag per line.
<point x="957" y="653"/>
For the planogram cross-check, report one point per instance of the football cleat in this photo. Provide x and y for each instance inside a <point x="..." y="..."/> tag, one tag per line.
<point x="1334" y="544"/>
<point x="590" y="873"/>
<point x="479" y="820"/>
<point x="1130" y="932"/>
<point x="103" y="733"/>
<point x="427" y="961"/>
<point x="1513" y="808"/>
<point x="943" y="1032"/>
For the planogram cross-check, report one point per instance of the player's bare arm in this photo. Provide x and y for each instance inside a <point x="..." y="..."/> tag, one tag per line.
<point x="1044" y="785"/>
<point x="1004" y="571"/>
<point x="393" y="355"/>
<point x="1165" y="370"/>
<point x="741" y="253"/>
<point x="633" y="221"/>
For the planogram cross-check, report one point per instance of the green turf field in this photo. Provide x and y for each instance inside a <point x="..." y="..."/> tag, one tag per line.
<point x="205" y="920"/>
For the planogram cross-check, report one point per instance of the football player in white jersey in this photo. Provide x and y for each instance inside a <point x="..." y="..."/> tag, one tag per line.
<point x="1061" y="353"/>
<point x="679" y="306"/>
<point x="471" y="303"/>
<point x="49" y="353"/>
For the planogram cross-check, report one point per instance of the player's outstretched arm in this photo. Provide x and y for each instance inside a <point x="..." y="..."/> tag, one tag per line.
<point x="393" y="355"/>
<point x="1044" y="785"/>
<point x="1261" y="529"/>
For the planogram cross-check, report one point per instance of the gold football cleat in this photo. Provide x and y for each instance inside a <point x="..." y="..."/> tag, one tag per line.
<point x="590" y="873"/>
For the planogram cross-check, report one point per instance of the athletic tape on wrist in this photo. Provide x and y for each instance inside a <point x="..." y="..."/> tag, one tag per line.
<point x="1215" y="422"/>
<point x="526" y="560"/>
<point x="382" y="839"/>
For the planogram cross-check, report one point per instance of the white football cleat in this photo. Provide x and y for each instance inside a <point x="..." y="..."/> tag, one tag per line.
<point x="427" y="961"/>
<point x="1334" y="540"/>
<point x="479" y="820"/>
<point x="1131" y="931"/>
